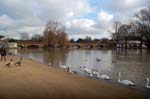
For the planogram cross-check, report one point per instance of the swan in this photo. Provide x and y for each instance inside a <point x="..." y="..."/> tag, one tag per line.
<point x="147" y="83"/>
<point x="49" y="64"/>
<point x="62" y="66"/>
<point x="102" y="76"/>
<point x="125" y="82"/>
<point x="90" y="75"/>
<point x="87" y="70"/>
<point x="94" y="72"/>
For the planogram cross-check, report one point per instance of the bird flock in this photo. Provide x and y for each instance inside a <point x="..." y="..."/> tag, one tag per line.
<point x="18" y="63"/>
<point x="93" y="73"/>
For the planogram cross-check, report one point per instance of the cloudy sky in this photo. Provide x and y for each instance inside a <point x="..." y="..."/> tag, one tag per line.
<point x="80" y="17"/>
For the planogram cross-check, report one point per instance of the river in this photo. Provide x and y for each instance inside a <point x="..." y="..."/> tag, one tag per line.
<point x="133" y="64"/>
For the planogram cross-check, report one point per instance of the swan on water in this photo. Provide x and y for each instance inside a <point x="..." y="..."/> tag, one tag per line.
<point x="147" y="83"/>
<point x="87" y="70"/>
<point x="125" y="82"/>
<point x="102" y="76"/>
<point x="62" y="66"/>
<point x="49" y="64"/>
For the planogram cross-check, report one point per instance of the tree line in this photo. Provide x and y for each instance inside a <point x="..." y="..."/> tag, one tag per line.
<point x="137" y="29"/>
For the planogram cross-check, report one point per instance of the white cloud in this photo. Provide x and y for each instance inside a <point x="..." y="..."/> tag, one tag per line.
<point x="5" y="20"/>
<point x="104" y="16"/>
<point x="124" y="6"/>
<point x="23" y="15"/>
<point x="123" y="10"/>
<point x="31" y="15"/>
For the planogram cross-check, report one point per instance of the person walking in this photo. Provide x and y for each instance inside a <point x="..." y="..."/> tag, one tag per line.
<point x="3" y="53"/>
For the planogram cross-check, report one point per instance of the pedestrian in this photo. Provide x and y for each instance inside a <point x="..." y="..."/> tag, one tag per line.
<point x="3" y="53"/>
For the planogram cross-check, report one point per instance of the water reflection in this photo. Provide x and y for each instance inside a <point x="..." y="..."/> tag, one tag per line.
<point x="133" y="64"/>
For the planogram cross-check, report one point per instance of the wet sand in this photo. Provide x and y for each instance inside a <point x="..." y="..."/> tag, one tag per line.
<point x="33" y="80"/>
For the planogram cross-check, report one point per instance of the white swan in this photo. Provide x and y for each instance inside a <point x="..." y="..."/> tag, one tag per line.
<point x="102" y="76"/>
<point x="147" y="83"/>
<point x="125" y="82"/>
<point x="87" y="70"/>
<point x="49" y="64"/>
<point x="62" y="66"/>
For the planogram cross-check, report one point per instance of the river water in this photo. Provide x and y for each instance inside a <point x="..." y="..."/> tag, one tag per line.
<point x="133" y="64"/>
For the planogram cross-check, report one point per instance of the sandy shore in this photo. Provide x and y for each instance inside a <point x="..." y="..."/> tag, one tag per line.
<point x="37" y="81"/>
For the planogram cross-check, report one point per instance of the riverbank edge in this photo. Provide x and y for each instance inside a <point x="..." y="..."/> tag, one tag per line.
<point x="83" y="82"/>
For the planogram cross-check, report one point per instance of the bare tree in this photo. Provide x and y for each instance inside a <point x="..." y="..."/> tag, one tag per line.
<point x="116" y="35"/>
<point x="142" y="24"/>
<point x="24" y="36"/>
<point x="36" y="37"/>
<point x="54" y="34"/>
<point x="124" y="33"/>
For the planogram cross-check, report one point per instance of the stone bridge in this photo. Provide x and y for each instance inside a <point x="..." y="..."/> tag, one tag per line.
<point x="30" y="44"/>
<point x="87" y="45"/>
<point x="72" y="45"/>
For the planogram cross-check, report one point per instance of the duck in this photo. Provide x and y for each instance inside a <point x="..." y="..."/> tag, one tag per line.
<point x="147" y="83"/>
<point x="114" y="61"/>
<point x="125" y="82"/>
<point x="98" y="59"/>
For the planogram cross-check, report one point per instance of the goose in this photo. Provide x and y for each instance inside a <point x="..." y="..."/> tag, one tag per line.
<point x="102" y="76"/>
<point x="125" y="82"/>
<point x="147" y="83"/>
<point x="19" y="62"/>
<point x="10" y="63"/>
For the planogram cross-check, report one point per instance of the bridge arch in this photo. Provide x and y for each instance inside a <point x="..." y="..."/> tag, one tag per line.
<point x="33" y="46"/>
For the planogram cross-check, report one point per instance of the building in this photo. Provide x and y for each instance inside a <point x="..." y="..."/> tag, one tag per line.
<point x="12" y="44"/>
